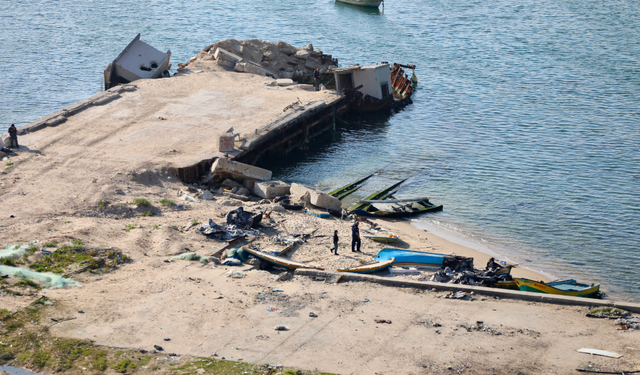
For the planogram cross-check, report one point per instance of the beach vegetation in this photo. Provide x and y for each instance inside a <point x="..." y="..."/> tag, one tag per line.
<point x="53" y="243"/>
<point x="129" y="227"/>
<point x="195" y="222"/>
<point x="8" y="164"/>
<point x="156" y="226"/>
<point x="8" y="262"/>
<point x="102" y="205"/>
<point x="166" y="202"/>
<point x="141" y="202"/>
<point x="25" y="283"/>
<point x="147" y="214"/>
<point x="28" y="345"/>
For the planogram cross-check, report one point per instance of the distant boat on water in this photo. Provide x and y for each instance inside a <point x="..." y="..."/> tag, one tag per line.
<point x="362" y="3"/>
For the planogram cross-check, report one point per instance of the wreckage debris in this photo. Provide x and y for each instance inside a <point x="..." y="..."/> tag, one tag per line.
<point x="243" y="219"/>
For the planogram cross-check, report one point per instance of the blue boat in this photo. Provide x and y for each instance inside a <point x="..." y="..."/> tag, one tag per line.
<point x="411" y="258"/>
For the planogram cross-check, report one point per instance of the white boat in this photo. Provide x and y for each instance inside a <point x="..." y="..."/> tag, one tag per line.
<point x="362" y="3"/>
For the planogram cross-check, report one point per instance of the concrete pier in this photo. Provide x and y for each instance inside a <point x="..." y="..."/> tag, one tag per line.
<point x="168" y="126"/>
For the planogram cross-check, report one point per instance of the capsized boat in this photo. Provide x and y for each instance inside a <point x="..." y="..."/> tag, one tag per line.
<point x="378" y="195"/>
<point x="279" y="261"/>
<point x="564" y="287"/>
<point x="342" y="192"/>
<point x="397" y="207"/>
<point x="369" y="268"/>
<point x="389" y="237"/>
<point x="363" y="3"/>
<point x="411" y="258"/>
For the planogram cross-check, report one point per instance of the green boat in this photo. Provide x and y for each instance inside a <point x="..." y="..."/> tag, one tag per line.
<point x="379" y="195"/>
<point x="346" y="190"/>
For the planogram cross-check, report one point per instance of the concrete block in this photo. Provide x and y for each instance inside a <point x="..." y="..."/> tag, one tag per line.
<point x="255" y="69"/>
<point x="256" y="56"/>
<point x="317" y="197"/>
<point x="226" y="64"/>
<point x="223" y="54"/>
<point x="240" y="67"/>
<point x="271" y="189"/>
<point x="285" y="82"/>
<point x="249" y="184"/>
<point x="240" y="171"/>
<point x="6" y="141"/>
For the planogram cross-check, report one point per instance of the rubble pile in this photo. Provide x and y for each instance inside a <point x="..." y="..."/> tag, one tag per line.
<point x="277" y="60"/>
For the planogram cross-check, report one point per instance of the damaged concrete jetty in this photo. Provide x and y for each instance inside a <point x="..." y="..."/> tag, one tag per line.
<point x="174" y="125"/>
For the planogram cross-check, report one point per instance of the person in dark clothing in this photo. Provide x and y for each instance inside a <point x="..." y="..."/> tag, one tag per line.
<point x="355" y="237"/>
<point x="316" y="78"/>
<point x="335" y="242"/>
<point x="13" y="133"/>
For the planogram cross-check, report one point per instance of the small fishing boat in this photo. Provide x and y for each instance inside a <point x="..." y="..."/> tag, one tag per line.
<point x="279" y="261"/>
<point x="389" y="237"/>
<point x="369" y="268"/>
<point x="342" y="192"/>
<point x="378" y="195"/>
<point x="411" y="258"/>
<point x="362" y="3"/>
<point x="564" y="287"/>
<point x="397" y="207"/>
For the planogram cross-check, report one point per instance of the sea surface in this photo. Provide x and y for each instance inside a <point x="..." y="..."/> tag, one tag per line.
<point x="525" y="126"/>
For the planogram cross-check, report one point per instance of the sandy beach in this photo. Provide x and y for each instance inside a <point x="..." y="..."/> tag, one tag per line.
<point x="205" y="313"/>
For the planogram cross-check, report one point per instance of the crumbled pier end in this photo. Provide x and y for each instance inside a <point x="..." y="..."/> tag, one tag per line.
<point x="279" y="59"/>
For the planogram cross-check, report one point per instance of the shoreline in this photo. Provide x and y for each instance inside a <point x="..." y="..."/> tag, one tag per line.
<point x="438" y="243"/>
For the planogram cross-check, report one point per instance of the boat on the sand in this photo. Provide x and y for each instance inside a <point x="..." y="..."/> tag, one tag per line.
<point x="279" y="261"/>
<point x="369" y="268"/>
<point x="411" y="258"/>
<point x="389" y="237"/>
<point x="564" y="287"/>
<point x="362" y="3"/>
<point x="397" y="207"/>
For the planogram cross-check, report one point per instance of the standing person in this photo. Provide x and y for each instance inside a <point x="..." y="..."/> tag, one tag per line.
<point x="13" y="133"/>
<point x="316" y="78"/>
<point x="355" y="237"/>
<point x="335" y="242"/>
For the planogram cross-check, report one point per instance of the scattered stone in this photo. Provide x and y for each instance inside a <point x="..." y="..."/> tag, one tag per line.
<point x="158" y="347"/>
<point x="281" y="328"/>
<point x="206" y="195"/>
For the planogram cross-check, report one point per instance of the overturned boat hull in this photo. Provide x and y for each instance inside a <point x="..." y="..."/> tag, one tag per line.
<point x="411" y="258"/>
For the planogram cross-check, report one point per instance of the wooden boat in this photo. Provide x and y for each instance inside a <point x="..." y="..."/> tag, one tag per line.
<point x="342" y="192"/>
<point x="362" y="3"/>
<point x="379" y="195"/>
<point x="564" y="288"/>
<point x="411" y="258"/>
<point x="369" y="268"/>
<point x="279" y="261"/>
<point x="389" y="237"/>
<point x="397" y="207"/>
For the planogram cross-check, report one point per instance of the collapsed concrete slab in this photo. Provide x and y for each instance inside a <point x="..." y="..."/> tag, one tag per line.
<point x="224" y="167"/>
<point x="271" y="189"/>
<point x="317" y="197"/>
<point x="226" y="59"/>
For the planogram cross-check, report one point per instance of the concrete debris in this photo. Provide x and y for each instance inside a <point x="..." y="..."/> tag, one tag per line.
<point x="277" y="60"/>
<point x="317" y="197"/>
<point x="271" y="189"/>
<point x="226" y="168"/>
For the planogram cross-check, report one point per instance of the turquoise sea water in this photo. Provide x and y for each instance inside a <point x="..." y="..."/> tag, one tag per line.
<point x="525" y="126"/>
